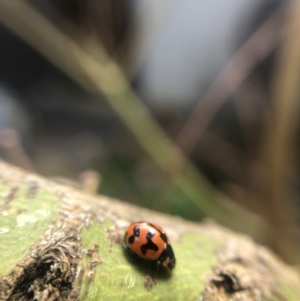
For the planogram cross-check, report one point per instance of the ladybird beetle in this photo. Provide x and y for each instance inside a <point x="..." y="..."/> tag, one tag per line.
<point x="150" y="242"/>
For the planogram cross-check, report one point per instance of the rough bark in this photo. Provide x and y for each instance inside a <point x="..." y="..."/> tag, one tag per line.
<point x="57" y="243"/>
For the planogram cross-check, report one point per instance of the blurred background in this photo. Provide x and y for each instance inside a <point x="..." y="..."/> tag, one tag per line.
<point x="185" y="107"/>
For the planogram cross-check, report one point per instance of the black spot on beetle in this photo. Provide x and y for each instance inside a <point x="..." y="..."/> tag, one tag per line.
<point x="131" y="239"/>
<point x="149" y="236"/>
<point x="150" y="245"/>
<point x="164" y="237"/>
<point x="136" y="233"/>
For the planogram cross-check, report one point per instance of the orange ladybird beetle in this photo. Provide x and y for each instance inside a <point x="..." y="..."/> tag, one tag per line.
<point x="150" y="242"/>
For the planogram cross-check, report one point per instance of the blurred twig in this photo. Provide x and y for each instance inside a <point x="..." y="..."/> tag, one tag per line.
<point x="250" y="54"/>
<point x="105" y="78"/>
<point x="281" y="140"/>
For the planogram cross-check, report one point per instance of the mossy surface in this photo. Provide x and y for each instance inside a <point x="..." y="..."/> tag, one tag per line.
<point x="121" y="275"/>
<point x="23" y="220"/>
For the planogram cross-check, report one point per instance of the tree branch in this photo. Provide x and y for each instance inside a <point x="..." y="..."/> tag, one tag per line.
<point x="57" y="243"/>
